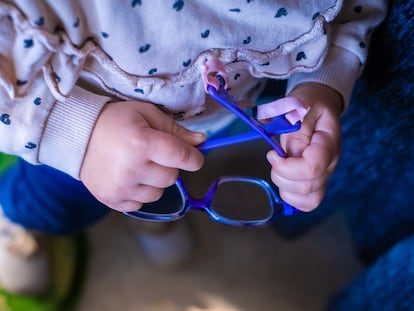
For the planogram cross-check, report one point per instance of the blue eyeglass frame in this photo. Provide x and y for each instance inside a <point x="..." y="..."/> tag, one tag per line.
<point x="205" y="204"/>
<point x="278" y="125"/>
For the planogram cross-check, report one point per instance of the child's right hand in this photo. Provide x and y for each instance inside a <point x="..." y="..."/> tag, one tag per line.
<point x="136" y="151"/>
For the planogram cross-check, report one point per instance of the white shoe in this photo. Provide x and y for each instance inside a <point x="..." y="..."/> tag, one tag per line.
<point x="24" y="260"/>
<point x="167" y="245"/>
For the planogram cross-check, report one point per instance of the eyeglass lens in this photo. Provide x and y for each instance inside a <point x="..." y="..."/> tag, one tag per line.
<point x="170" y="203"/>
<point x="242" y="200"/>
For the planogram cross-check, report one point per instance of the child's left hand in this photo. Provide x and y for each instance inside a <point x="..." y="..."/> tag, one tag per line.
<point x="313" y="152"/>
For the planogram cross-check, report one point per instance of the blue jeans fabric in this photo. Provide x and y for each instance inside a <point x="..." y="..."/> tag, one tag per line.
<point x="41" y="198"/>
<point x="387" y="285"/>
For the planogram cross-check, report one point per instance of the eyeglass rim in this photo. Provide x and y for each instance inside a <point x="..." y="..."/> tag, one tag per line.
<point x="274" y="201"/>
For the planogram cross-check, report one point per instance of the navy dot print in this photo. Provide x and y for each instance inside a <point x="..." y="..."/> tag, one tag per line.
<point x="144" y="48"/>
<point x="237" y="10"/>
<point x="140" y="91"/>
<point x="281" y="12"/>
<point x="104" y="34"/>
<point x="247" y="40"/>
<point x="236" y="76"/>
<point x="152" y="71"/>
<point x="314" y="16"/>
<point x="30" y="145"/>
<point x="134" y="3"/>
<point x="28" y="43"/>
<point x="40" y="21"/>
<point x="178" y="5"/>
<point x="76" y="23"/>
<point x="187" y="63"/>
<point x="301" y="55"/>
<point x="5" y="119"/>
<point x="205" y="34"/>
<point x="362" y="45"/>
<point x="37" y="101"/>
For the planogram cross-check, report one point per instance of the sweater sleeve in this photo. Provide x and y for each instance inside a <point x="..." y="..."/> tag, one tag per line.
<point x="44" y="118"/>
<point x="67" y="130"/>
<point x="350" y="34"/>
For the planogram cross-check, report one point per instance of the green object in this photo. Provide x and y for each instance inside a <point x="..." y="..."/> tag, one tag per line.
<point x="5" y="161"/>
<point x="69" y="260"/>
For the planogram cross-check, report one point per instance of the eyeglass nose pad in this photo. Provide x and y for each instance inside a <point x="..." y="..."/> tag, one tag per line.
<point x="289" y="209"/>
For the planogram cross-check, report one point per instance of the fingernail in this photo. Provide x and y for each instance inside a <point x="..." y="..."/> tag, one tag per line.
<point x="199" y="136"/>
<point x="271" y="156"/>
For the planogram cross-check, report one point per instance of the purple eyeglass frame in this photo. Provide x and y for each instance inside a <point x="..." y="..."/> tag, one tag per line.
<point x="278" y="125"/>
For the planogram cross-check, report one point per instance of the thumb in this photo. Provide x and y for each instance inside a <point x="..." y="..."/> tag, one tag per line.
<point x="295" y="143"/>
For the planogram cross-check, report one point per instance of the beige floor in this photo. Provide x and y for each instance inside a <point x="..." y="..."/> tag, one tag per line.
<point x="235" y="269"/>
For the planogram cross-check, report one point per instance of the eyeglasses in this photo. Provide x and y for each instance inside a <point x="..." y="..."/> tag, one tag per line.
<point x="232" y="200"/>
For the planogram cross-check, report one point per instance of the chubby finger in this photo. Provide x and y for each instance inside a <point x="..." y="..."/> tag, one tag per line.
<point x="170" y="151"/>
<point x="305" y="202"/>
<point x="145" y="193"/>
<point x="315" y="161"/>
<point x="134" y="197"/>
<point x="156" y="175"/>
<point x="296" y="169"/>
<point x="302" y="187"/>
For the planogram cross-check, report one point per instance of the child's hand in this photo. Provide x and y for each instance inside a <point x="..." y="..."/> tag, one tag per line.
<point x="313" y="152"/>
<point x="135" y="152"/>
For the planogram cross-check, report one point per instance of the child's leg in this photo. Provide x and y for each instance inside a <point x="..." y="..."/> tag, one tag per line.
<point x="36" y="201"/>
<point x="43" y="199"/>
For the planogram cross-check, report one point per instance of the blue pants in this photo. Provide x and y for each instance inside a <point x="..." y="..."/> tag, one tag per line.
<point x="44" y="199"/>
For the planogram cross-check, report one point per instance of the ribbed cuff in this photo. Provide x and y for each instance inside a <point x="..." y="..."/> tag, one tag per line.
<point x="68" y="130"/>
<point x="340" y="71"/>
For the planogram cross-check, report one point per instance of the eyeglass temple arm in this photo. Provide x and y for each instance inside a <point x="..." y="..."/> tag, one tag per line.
<point x="279" y="125"/>
<point x="225" y="99"/>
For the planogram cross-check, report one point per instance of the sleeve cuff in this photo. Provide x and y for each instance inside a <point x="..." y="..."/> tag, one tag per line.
<point x="68" y="130"/>
<point x="340" y="71"/>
